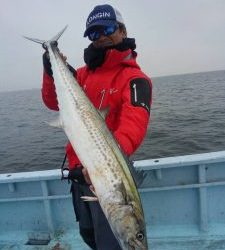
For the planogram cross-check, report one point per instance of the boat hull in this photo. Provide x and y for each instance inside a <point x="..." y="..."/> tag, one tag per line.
<point x="183" y="200"/>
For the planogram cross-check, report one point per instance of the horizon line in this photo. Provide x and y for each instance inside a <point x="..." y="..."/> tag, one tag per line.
<point x="161" y="76"/>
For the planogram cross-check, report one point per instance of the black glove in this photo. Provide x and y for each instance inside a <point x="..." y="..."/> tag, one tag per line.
<point x="77" y="175"/>
<point x="48" y="67"/>
<point x="46" y="63"/>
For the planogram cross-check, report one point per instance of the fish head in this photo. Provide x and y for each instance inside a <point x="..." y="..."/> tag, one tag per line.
<point x="129" y="228"/>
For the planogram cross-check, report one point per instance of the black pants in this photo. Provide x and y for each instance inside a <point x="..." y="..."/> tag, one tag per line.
<point x="94" y="227"/>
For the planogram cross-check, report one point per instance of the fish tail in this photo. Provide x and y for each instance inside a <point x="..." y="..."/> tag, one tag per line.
<point x="51" y="41"/>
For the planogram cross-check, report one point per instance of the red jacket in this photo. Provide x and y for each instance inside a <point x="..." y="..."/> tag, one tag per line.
<point x="109" y="87"/>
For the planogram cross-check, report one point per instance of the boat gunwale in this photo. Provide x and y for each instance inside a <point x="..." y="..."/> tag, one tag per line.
<point x="150" y="164"/>
<point x="181" y="161"/>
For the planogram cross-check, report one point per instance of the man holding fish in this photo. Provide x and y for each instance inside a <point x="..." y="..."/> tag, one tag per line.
<point x="113" y="81"/>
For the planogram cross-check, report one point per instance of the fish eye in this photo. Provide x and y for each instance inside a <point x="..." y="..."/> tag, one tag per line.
<point x="140" y="236"/>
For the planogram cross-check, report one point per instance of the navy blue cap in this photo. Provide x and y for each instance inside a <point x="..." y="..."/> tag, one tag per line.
<point x="103" y="15"/>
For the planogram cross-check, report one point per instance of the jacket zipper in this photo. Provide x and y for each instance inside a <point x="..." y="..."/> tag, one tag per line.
<point x="135" y="92"/>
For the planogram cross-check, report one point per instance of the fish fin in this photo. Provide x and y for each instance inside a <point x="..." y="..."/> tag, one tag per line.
<point x="138" y="175"/>
<point x="56" y="37"/>
<point x="34" y="40"/>
<point x="55" y="123"/>
<point x="91" y="187"/>
<point x="89" y="198"/>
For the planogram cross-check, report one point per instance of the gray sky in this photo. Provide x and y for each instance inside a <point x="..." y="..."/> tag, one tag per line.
<point x="172" y="36"/>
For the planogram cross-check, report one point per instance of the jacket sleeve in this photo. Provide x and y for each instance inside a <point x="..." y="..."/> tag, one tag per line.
<point x="49" y="96"/>
<point x="48" y="92"/>
<point x="135" y="114"/>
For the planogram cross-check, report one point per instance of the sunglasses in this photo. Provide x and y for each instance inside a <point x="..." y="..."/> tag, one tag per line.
<point x="104" y="30"/>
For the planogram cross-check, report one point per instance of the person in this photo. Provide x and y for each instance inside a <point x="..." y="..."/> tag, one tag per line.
<point x="112" y="79"/>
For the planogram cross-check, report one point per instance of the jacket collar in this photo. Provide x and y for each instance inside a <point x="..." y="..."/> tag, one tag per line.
<point x="115" y="57"/>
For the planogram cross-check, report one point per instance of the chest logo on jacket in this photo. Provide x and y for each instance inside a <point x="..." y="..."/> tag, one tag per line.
<point x="112" y="91"/>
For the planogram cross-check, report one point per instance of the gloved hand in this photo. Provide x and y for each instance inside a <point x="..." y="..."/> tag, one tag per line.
<point x="48" y="67"/>
<point x="77" y="175"/>
<point x="46" y="63"/>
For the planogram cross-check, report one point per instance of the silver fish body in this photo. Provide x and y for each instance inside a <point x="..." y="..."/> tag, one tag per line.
<point x="100" y="155"/>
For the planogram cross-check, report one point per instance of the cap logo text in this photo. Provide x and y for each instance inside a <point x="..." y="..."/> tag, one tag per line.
<point x="99" y="15"/>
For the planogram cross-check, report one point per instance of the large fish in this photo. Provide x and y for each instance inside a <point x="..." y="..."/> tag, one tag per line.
<point x="99" y="153"/>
